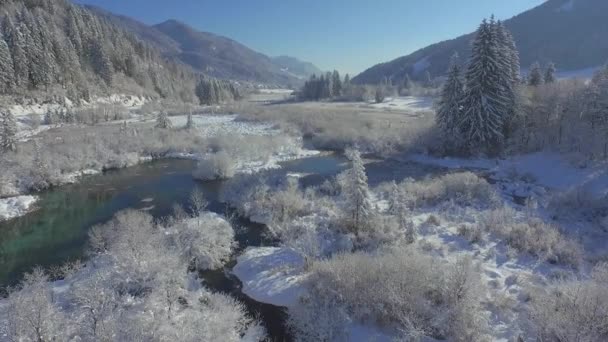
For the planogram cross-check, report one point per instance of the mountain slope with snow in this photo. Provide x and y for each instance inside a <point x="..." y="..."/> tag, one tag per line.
<point x="570" y="33"/>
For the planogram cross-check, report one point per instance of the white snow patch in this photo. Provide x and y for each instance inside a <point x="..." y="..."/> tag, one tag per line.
<point x="548" y="169"/>
<point x="271" y="275"/>
<point x="13" y="207"/>
<point x="406" y="103"/>
<point x="275" y="91"/>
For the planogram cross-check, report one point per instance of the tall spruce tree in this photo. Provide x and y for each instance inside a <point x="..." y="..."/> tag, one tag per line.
<point x="336" y="83"/>
<point x="163" y="121"/>
<point x="535" y="77"/>
<point x="360" y="206"/>
<point x="450" y="105"/>
<point x="8" y="131"/>
<point x="486" y="101"/>
<point x="550" y="73"/>
<point x="509" y="71"/>
<point x="7" y="71"/>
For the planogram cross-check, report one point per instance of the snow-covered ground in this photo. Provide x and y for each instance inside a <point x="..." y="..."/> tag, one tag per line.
<point x="128" y="101"/>
<point x="275" y="91"/>
<point x="216" y="125"/>
<point x="405" y="103"/>
<point x="16" y="206"/>
<point x="227" y="125"/>
<point x="271" y="275"/>
<point x="546" y="169"/>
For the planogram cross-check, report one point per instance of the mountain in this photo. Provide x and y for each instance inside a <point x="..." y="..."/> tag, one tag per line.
<point x="56" y="49"/>
<point x="206" y="52"/>
<point x="297" y="67"/>
<point x="571" y="33"/>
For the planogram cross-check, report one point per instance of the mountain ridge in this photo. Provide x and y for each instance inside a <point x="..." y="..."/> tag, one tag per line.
<point x="567" y="32"/>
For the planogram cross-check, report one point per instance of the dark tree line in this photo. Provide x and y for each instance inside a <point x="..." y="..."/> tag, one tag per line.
<point x="326" y="86"/>
<point x="55" y="45"/>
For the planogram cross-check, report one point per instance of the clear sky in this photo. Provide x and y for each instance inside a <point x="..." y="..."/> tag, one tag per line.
<point x="348" y="35"/>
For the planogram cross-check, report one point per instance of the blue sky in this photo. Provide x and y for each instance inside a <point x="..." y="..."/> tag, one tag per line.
<point x="348" y="35"/>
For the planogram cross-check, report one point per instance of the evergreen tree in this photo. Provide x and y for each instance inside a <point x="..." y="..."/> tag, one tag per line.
<point x="406" y="224"/>
<point x="163" y="121"/>
<point x="379" y="95"/>
<point x="8" y="132"/>
<point x="550" y="73"/>
<point x="510" y="52"/>
<point x="485" y="104"/>
<point x="190" y="121"/>
<point x="346" y="80"/>
<point x="337" y="83"/>
<point x="7" y="71"/>
<point x="16" y="42"/>
<point x="357" y="193"/>
<point x="102" y="63"/>
<point x="535" y="77"/>
<point x="450" y="105"/>
<point x="509" y="69"/>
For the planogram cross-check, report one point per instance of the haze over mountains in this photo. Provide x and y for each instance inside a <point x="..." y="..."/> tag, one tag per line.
<point x="215" y="55"/>
<point x="570" y="33"/>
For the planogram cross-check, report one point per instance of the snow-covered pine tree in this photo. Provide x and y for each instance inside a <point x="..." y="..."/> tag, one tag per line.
<point x="510" y="49"/>
<point x="485" y="103"/>
<point x="394" y="199"/>
<point x="7" y="72"/>
<point x="16" y="42"/>
<point x="346" y="80"/>
<point x="535" y="76"/>
<point x="450" y="105"/>
<point x="379" y="95"/>
<point x="509" y="71"/>
<point x="357" y="192"/>
<point x="190" y="121"/>
<point x="337" y="83"/>
<point x="406" y="224"/>
<point x="8" y="132"/>
<point x="163" y="121"/>
<point x="550" y="73"/>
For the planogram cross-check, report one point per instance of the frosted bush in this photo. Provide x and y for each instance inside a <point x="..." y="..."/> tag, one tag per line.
<point x="206" y="242"/>
<point x="465" y="189"/>
<point x="533" y="236"/>
<point x="401" y="289"/>
<point x="136" y="287"/>
<point x="573" y="310"/>
<point x="217" y="166"/>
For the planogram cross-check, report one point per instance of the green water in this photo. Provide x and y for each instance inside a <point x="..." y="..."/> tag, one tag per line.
<point x="57" y="231"/>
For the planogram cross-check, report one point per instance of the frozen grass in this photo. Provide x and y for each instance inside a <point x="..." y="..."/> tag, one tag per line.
<point x="531" y="235"/>
<point x="402" y="289"/>
<point x="573" y="310"/>
<point x="464" y="189"/>
<point x="338" y="128"/>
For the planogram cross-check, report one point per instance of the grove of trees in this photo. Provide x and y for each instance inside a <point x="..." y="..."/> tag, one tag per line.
<point x="65" y="49"/>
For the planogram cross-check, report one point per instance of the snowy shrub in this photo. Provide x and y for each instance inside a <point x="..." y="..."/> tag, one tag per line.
<point x="217" y="166"/>
<point x="533" y="236"/>
<point x="31" y="313"/>
<point x="206" y="242"/>
<point x="578" y="202"/>
<point x="573" y="310"/>
<point x="401" y="289"/>
<point x="136" y="287"/>
<point x="465" y="189"/>
<point x="473" y="233"/>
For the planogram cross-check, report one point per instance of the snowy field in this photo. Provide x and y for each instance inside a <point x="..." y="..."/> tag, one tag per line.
<point x="544" y="169"/>
<point x="405" y="103"/>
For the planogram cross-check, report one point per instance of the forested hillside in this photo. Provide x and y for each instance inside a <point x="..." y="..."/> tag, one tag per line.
<point x="67" y="50"/>
<point x="570" y="33"/>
